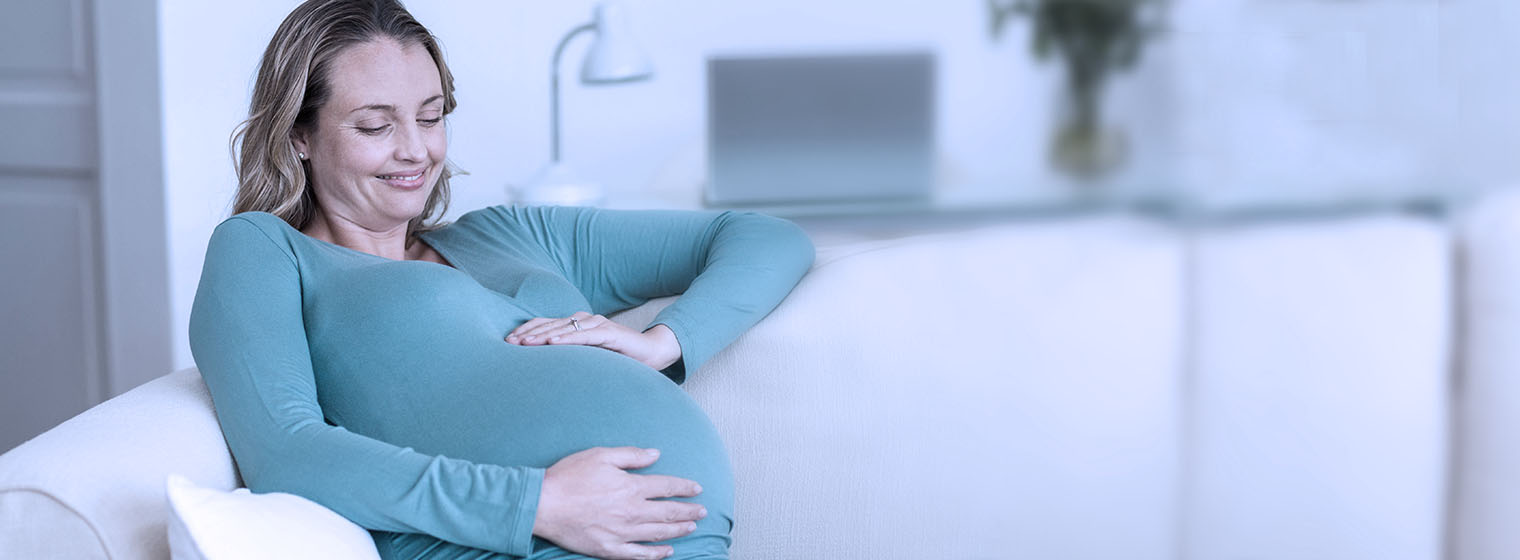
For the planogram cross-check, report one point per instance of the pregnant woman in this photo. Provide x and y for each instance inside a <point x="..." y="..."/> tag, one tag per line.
<point x="455" y="387"/>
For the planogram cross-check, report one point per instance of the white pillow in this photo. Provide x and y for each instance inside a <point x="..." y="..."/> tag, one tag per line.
<point x="207" y="524"/>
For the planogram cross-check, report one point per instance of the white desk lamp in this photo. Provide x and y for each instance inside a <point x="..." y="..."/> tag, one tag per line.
<point x="613" y="59"/>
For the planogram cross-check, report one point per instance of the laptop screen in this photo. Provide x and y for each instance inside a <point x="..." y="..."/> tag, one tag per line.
<point x="820" y="129"/>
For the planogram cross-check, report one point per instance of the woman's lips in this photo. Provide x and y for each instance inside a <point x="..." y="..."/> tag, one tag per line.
<point x="404" y="179"/>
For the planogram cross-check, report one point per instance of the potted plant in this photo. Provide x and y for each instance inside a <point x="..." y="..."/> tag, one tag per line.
<point x="1094" y="39"/>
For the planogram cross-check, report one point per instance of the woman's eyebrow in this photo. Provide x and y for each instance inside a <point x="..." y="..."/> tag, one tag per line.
<point x="375" y="107"/>
<point x="391" y="108"/>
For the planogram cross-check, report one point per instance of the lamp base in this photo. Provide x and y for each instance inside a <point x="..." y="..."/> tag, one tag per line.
<point x="558" y="185"/>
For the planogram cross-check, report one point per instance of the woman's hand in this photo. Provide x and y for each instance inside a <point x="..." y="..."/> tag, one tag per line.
<point x="656" y="347"/>
<point x="591" y="505"/>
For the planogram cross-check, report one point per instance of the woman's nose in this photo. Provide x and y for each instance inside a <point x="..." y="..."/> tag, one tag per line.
<point x="409" y="143"/>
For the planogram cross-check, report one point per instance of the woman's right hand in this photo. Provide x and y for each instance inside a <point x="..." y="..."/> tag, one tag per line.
<point x="590" y="504"/>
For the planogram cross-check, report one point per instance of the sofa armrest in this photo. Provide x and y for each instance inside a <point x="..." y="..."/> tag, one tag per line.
<point x="1487" y="503"/>
<point x="94" y="486"/>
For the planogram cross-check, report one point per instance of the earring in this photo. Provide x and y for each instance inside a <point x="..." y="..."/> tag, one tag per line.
<point x="301" y="155"/>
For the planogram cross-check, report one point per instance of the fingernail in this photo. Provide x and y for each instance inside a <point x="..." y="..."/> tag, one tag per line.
<point x="698" y="489"/>
<point x="652" y="452"/>
<point x="701" y="513"/>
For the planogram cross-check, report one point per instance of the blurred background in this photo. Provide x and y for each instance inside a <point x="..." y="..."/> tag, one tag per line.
<point x="116" y="167"/>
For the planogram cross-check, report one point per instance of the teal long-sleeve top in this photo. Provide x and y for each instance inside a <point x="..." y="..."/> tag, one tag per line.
<point x="384" y="390"/>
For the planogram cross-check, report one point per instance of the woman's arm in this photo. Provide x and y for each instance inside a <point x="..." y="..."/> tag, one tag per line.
<point x="730" y="268"/>
<point x="249" y="342"/>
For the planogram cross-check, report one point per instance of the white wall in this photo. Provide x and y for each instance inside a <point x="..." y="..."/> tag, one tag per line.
<point x="1315" y="100"/>
<point x="208" y="54"/>
<point x="1244" y="101"/>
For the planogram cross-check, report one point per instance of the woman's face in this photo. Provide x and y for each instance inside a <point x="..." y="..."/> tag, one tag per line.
<point x="378" y="145"/>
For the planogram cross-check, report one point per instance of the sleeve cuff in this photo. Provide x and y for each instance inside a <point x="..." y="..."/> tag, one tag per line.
<point x="676" y="371"/>
<point x="519" y="529"/>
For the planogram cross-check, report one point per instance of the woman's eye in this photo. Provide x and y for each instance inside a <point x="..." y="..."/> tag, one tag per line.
<point x="430" y="122"/>
<point x="372" y="131"/>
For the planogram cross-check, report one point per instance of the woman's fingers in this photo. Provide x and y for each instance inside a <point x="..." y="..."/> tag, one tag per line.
<point x="640" y="552"/>
<point x="585" y="324"/>
<point x="529" y="328"/>
<point x="656" y="532"/>
<point x="656" y="347"/>
<point x="546" y="334"/>
<point x="624" y="457"/>
<point x="540" y="329"/>
<point x="661" y="486"/>
<point x="668" y="511"/>
<point x="526" y="327"/>
<point x="602" y="334"/>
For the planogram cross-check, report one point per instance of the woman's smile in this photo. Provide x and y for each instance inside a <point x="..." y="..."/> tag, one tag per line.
<point x="405" y="180"/>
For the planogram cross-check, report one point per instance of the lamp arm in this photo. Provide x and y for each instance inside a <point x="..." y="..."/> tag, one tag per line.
<point x="554" y="89"/>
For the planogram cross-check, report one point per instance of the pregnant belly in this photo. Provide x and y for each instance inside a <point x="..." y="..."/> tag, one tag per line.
<point x="530" y="406"/>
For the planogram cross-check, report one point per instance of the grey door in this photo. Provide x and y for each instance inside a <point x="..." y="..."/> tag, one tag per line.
<point x="67" y="301"/>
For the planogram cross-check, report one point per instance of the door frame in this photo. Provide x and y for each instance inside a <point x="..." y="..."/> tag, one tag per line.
<point x="134" y="261"/>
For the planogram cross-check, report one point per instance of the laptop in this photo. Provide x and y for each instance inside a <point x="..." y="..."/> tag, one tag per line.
<point x="820" y="129"/>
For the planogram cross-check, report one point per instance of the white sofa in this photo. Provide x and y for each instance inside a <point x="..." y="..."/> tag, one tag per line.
<point x="1093" y="386"/>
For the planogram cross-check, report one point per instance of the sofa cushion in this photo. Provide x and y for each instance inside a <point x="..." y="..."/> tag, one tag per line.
<point x="1317" y="405"/>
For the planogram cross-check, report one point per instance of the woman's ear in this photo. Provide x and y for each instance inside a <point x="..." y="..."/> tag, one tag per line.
<point x="298" y="141"/>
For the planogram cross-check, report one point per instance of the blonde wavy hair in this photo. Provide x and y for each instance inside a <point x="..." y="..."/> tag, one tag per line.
<point x="292" y="86"/>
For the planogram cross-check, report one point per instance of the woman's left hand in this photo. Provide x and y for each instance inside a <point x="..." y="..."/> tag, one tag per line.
<point x="656" y="347"/>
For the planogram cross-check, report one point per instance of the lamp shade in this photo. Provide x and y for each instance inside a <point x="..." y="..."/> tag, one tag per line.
<point x="615" y="56"/>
